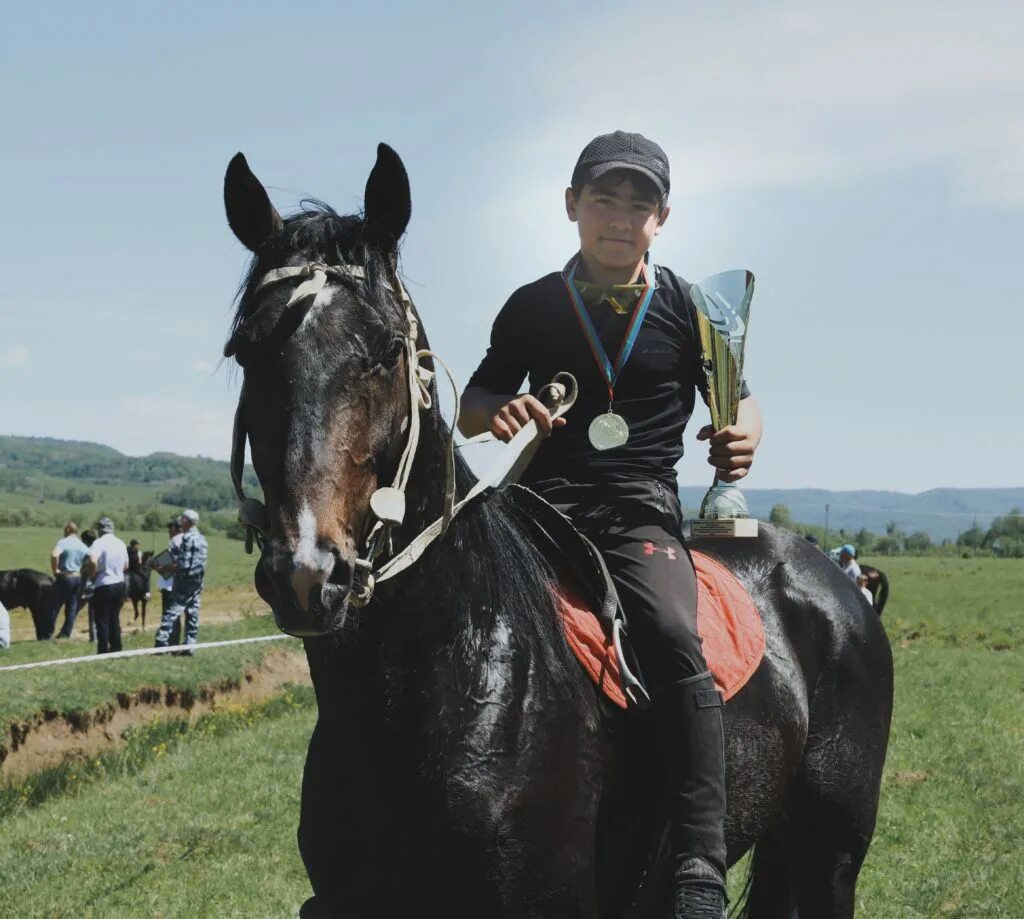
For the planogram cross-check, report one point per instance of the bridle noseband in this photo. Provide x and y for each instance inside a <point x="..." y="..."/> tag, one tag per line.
<point x="387" y="504"/>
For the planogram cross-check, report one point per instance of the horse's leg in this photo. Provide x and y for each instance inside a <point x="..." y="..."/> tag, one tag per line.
<point x="143" y="614"/>
<point x="770" y="893"/>
<point x="835" y="799"/>
<point x="40" y="618"/>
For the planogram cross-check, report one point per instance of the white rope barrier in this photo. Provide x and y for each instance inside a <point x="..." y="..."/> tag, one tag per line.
<point x="141" y="652"/>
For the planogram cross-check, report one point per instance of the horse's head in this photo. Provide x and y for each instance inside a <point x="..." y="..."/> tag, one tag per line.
<point x="322" y="336"/>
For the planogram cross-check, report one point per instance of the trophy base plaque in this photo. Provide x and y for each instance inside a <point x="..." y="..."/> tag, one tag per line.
<point x="724" y="526"/>
<point x="723" y="512"/>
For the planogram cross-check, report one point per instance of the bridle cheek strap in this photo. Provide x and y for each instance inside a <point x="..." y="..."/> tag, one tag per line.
<point x="251" y="512"/>
<point x="314" y="275"/>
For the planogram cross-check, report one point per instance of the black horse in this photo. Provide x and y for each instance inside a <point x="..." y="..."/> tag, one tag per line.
<point x="137" y="583"/>
<point x="878" y="584"/>
<point x="33" y="590"/>
<point x="462" y="764"/>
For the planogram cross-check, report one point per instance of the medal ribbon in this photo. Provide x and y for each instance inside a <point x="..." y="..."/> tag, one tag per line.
<point x="609" y="371"/>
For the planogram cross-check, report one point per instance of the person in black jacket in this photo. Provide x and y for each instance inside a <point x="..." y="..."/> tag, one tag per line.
<point x="626" y="328"/>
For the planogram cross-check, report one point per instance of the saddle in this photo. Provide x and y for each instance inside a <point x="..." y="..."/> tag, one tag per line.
<point x="595" y="623"/>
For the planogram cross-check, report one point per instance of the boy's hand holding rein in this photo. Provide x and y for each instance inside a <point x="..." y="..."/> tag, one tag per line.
<point x="511" y="417"/>
<point x="504" y="416"/>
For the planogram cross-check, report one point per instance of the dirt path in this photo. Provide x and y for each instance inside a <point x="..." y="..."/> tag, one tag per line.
<point x="22" y="628"/>
<point x="48" y="743"/>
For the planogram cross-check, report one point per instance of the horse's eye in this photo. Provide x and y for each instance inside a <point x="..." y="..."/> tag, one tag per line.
<point x="394" y="351"/>
<point x="238" y="350"/>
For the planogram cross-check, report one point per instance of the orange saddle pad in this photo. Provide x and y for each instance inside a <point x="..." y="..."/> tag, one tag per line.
<point x="727" y="620"/>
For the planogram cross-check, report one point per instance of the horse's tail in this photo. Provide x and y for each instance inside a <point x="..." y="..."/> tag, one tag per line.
<point x="883" y="592"/>
<point x="767" y="890"/>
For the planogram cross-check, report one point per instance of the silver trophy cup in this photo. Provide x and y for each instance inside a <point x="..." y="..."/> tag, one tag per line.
<point x="723" y="310"/>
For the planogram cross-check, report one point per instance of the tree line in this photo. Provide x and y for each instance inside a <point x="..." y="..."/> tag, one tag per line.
<point x="1005" y="537"/>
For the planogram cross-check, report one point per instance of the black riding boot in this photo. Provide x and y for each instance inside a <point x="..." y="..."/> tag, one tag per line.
<point x="692" y="743"/>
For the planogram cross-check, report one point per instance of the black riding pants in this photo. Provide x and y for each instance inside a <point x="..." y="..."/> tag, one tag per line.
<point x="637" y="528"/>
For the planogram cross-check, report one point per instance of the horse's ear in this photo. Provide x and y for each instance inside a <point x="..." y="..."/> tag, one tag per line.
<point x="387" y="201"/>
<point x="250" y="214"/>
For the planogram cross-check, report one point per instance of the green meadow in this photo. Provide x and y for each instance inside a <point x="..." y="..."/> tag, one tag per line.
<point x="949" y="841"/>
<point x="229" y="566"/>
<point x="229" y="592"/>
<point x="74" y="690"/>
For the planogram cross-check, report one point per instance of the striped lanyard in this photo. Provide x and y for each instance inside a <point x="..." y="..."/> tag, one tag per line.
<point x="609" y="371"/>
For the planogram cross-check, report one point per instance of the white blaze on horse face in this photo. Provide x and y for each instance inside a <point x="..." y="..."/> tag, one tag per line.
<point x="323" y="298"/>
<point x="311" y="565"/>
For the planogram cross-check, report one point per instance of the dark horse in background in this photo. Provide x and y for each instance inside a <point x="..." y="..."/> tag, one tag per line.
<point x="878" y="585"/>
<point x="33" y="590"/>
<point x="137" y="582"/>
<point x="462" y="765"/>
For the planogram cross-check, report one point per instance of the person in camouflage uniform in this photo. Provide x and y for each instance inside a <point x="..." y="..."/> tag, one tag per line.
<point x="189" y="568"/>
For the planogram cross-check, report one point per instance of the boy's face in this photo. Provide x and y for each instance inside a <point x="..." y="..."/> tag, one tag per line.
<point x="617" y="220"/>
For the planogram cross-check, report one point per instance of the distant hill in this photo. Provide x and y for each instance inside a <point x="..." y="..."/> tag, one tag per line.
<point x="65" y="473"/>
<point x="942" y="513"/>
<point x="75" y="459"/>
<point x="44" y="481"/>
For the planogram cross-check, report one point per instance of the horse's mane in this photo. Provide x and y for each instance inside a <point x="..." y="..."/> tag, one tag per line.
<point x="509" y="583"/>
<point x="488" y="566"/>
<point x="492" y="571"/>
<point x="317" y="233"/>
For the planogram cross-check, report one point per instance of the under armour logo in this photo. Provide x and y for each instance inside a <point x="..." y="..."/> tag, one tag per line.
<point x="650" y="548"/>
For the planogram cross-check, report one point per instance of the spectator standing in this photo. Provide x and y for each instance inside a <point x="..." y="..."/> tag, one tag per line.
<point x="165" y="582"/>
<point x="5" y="627"/>
<point x="88" y="585"/>
<point x="862" y="583"/>
<point x="66" y="563"/>
<point x="134" y="557"/>
<point x="189" y="568"/>
<point x="109" y="556"/>
<point x="848" y="562"/>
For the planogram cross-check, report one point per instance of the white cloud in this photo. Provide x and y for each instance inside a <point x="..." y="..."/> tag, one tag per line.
<point x="148" y="424"/>
<point x="14" y="356"/>
<point x="803" y="93"/>
<point x="201" y="366"/>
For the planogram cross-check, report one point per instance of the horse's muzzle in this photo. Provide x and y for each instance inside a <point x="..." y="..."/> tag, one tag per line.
<point x="323" y="606"/>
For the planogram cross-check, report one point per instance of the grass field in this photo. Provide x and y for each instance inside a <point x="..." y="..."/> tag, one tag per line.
<point x="229" y="585"/>
<point x="82" y="687"/>
<point x="950" y="837"/>
<point x="229" y="567"/>
<point x="108" y="499"/>
<point x="205" y="829"/>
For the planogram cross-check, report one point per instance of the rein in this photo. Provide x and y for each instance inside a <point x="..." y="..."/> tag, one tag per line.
<point x="387" y="504"/>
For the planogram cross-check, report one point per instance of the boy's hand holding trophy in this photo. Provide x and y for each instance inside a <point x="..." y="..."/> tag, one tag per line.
<point x="723" y="308"/>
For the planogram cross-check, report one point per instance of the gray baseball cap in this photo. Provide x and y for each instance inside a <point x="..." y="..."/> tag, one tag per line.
<point x="190" y="515"/>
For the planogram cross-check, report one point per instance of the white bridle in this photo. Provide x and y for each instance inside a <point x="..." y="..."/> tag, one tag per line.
<point x="387" y="504"/>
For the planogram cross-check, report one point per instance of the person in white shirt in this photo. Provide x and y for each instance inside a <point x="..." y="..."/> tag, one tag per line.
<point x="109" y="556"/>
<point x="862" y="583"/>
<point x="848" y="562"/>
<point x="5" y="627"/>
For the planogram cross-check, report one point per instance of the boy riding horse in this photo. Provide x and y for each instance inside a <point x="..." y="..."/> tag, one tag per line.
<point x="626" y="328"/>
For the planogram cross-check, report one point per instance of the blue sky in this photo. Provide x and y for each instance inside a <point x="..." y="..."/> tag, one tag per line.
<point x="864" y="165"/>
